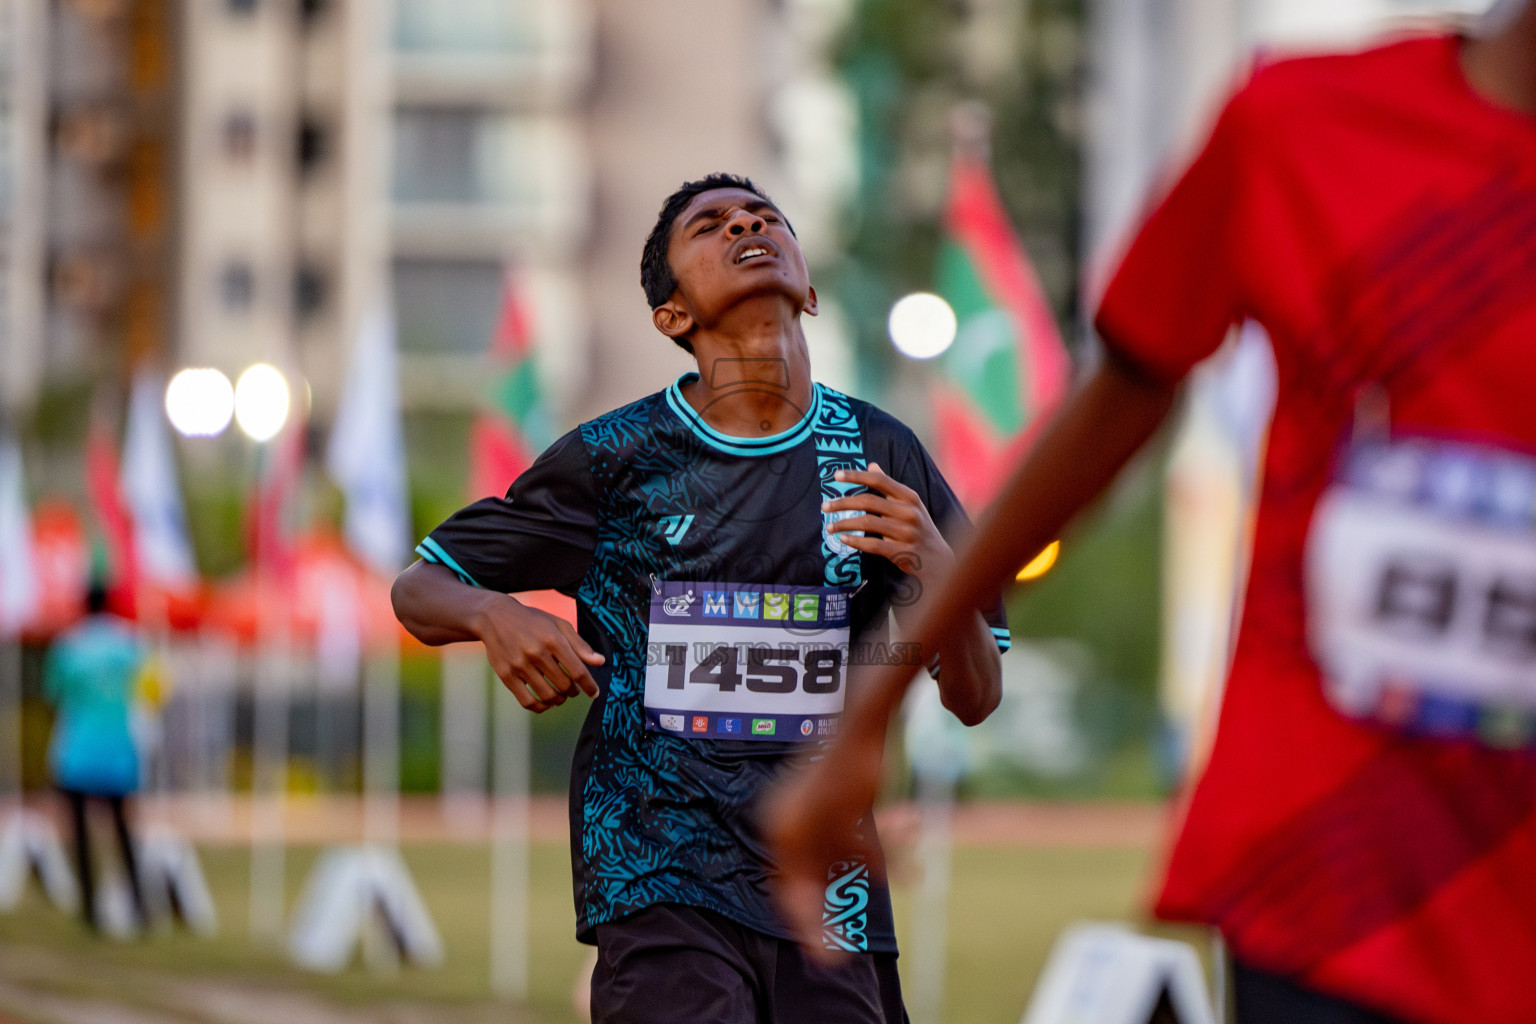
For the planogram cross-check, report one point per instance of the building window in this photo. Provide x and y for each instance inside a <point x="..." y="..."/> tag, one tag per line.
<point x="239" y="136"/>
<point x="463" y="155"/>
<point x="93" y="135"/>
<point x="314" y="144"/>
<point x="446" y="306"/>
<point x="464" y="26"/>
<point x="237" y="286"/>
<point x="435" y="155"/>
<point x="83" y="280"/>
<point x="309" y="292"/>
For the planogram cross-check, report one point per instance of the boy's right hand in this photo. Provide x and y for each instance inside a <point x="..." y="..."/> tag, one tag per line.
<point x="538" y="657"/>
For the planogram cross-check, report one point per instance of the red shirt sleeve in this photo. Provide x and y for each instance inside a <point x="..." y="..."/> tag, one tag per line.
<point x="1179" y="288"/>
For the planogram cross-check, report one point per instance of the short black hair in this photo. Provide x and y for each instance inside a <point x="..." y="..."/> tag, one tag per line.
<point x="655" y="272"/>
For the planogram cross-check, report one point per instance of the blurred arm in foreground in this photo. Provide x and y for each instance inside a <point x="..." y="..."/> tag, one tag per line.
<point x="896" y="525"/>
<point x="1406" y="292"/>
<point x="812" y="819"/>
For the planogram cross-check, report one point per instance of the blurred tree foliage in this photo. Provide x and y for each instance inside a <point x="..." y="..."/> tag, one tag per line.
<point x="909" y="63"/>
<point x="1105" y="594"/>
<point x="436" y="447"/>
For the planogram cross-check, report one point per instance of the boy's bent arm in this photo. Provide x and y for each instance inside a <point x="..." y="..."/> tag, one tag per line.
<point x="435" y="606"/>
<point x="969" y="669"/>
<point x="812" y="819"/>
<point x="538" y="657"/>
<point x="970" y="672"/>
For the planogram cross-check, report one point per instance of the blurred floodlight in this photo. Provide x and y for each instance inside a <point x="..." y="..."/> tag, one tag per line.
<point x="922" y="325"/>
<point x="199" y="402"/>
<point x="261" y="402"/>
<point x="1041" y="563"/>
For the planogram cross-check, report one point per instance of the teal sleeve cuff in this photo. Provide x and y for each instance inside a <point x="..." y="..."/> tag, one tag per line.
<point x="433" y="552"/>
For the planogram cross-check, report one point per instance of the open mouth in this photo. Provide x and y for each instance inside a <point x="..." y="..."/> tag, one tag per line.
<point x="753" y="252"/>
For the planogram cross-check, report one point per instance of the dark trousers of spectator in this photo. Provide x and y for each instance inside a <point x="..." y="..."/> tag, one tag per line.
<point x="84" y="865"/>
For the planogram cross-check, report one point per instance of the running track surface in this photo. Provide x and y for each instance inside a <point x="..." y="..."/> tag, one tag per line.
<point x="322" y="820"/>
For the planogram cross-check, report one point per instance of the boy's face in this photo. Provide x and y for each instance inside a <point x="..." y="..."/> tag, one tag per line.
<point x="730" y="244"/>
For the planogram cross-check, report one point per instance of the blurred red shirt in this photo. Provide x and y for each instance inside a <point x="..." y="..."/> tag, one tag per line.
<point x="1378" y="218"/>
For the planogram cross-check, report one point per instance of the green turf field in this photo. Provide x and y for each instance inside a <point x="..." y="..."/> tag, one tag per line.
<point x="1008" y="905"/>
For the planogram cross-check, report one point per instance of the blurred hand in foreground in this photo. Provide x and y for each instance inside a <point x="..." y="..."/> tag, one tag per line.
<point x="811" y="819"/>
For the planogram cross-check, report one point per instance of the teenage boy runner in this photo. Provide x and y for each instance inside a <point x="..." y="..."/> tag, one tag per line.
<point x="714" y="611"/>
<point x="1364" y="831"/>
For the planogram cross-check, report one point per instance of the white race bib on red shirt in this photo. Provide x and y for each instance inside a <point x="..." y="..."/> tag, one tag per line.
<point x="1421" y="590"/>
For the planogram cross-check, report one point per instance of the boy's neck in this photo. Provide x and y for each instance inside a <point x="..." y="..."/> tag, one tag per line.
<point x="754" y="383"/>
<point x="1502" y="67"/>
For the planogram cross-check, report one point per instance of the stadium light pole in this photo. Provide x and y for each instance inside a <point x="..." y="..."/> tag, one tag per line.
<point x="261" y="406"/>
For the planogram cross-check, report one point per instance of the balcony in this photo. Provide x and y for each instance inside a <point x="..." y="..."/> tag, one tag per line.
<point x="473" y="181"/>
<point x="511" y="52"/>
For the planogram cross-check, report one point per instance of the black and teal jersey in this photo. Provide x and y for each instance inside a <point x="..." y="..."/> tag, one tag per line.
<point x="631" y="503"/>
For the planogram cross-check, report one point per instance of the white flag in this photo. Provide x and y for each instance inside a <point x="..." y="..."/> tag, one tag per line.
<point x="366" y="456"/>
<point x="18" y="569"/>
<point x="149" y="486"/>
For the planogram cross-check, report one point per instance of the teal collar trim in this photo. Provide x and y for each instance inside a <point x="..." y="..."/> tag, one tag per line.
<point x="747" y="446"/>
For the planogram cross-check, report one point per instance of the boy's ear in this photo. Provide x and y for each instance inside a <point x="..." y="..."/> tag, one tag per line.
<point x="810" y="307"/>
<point x="672" y="319"/>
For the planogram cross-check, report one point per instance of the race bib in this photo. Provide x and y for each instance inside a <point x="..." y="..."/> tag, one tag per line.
<point x="740" y="661"/>
<point x="1421" y="590"/>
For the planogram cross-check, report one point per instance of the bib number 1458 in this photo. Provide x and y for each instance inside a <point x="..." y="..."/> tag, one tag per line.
<point x="758" y="668"/>
<point x="738" y="661"/>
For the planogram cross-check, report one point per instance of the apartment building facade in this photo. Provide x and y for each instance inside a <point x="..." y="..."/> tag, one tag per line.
<point x="221" y="182"/>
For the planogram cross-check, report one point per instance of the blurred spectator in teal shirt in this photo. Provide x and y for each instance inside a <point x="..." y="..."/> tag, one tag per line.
<point x="91" y="678"/>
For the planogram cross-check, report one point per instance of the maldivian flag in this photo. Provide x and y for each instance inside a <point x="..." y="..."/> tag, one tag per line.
<point x="270" y="530"/>
<point x="512" y="428"/>
<point x="112" y="515"/>
<point x="1007" y="366"/>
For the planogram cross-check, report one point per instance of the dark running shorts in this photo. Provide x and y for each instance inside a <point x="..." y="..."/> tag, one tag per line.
<point x="1263" y="998"/>
<point x="671" y="963"/>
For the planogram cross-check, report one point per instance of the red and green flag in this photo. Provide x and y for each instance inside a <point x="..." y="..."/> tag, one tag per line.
<point x="1007" y="367"/>
<point x="116" y="564"/>
<point x="510" y="429"/>
<point x="271" y="532"/>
